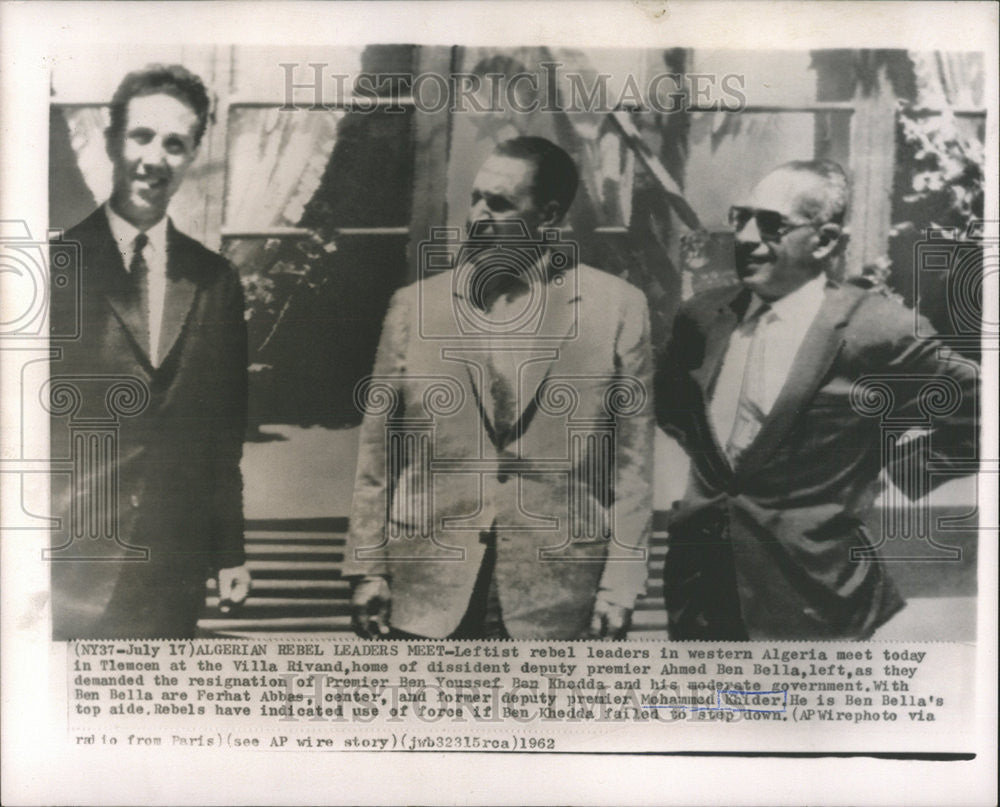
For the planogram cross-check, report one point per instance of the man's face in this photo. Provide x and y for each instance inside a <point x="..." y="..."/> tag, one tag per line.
<point x="502" y="192"/>
<point x="770" y="264"/>
<point x="151" y="156"/>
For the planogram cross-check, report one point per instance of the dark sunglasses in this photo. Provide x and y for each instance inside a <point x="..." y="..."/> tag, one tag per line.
<point x="772" y="225"/>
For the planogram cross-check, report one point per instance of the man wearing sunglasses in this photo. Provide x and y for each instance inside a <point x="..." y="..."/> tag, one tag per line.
<point x="763" y="384"/>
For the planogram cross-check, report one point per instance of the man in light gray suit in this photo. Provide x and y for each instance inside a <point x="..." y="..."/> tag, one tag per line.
<point x="504" y="478"/>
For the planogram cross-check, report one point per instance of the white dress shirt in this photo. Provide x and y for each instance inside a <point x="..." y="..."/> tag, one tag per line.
<point x="155" y="253"/>
<point x="782" y="328"/>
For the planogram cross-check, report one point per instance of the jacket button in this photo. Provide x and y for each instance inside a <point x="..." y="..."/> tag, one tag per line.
<point x="133" y="500"/>
<point x="502" y="477"/>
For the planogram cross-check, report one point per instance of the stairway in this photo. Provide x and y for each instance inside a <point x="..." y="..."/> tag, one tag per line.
<point x="297" y="588"/>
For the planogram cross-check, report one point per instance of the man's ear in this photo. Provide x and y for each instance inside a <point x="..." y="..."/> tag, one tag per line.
<point x="829" y="236"/>
<point x="552" y="214"/>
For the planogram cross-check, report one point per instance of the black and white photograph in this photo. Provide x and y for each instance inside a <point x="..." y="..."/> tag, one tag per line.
<point x="580" y="268"/>
<point x="390" y="390"/>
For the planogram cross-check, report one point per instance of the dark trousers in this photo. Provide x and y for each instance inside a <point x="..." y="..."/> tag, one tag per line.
<point x="699" y="585"/>
<point x="482" y="619"/>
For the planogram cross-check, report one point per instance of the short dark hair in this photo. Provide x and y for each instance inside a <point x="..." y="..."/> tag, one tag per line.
<point x="832" y="208"/>
<point x="169" y="79"/>
<point x="556" y="177"/>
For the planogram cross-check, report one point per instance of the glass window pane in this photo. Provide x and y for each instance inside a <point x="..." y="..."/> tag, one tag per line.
<point x="765" y="77"/>
<point x="321" y="169"/>
<point x="730" y="152"/>
<point x="314" y="319"/>
<point x="276" y="160"/>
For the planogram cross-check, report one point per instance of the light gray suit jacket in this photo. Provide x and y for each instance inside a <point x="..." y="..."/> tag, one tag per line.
<point x="568" y="492"/>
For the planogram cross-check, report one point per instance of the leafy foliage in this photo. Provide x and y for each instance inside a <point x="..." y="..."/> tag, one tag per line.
<point x="944" y="160"/>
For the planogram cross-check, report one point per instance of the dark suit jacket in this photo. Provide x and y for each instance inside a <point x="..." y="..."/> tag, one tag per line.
<point x="149" y="499"/>
<point x="782" y="524"/>
<point x="570" y="504"/>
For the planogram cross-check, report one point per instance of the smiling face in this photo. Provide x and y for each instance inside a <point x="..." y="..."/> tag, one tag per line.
<point x="774" y="267"/>
<point x="151" y="156"/>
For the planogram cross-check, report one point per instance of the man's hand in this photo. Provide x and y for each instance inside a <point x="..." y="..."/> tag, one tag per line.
<point x="370" y="602"/>
<point x="234" y="586"/>
<point x="609" y="621"/>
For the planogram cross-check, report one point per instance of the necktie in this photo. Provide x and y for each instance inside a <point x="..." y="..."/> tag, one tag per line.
<point x="138" y="270"/>
<point x="749" y="412"/>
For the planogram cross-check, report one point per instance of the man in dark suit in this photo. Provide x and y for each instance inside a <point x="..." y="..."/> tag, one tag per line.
<point x="767" y="385"/>
<point x="160" y="354"/>
<point x="506" y="491"/>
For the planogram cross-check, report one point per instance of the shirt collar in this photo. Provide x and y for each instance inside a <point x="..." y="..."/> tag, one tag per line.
<point x="544" y="274"/>
<point x="804" y="302"/>
<point x="124" y="233"/>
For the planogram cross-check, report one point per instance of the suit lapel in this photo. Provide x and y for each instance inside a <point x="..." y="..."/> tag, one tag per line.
<point x="438" y="317"/>
<point x="558" y="322"/>
<point x="119" y="290"/>
<point x="121" y="295"/>
<point x="717" y="337"/>
<point x="534" y="353"/>
<point x="819" y="348"/>
<point x="179" y="293"/>
<point x="717" y="340"/>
